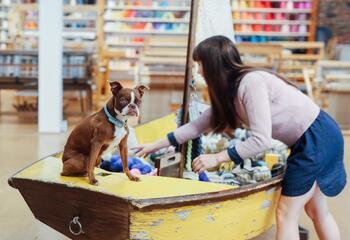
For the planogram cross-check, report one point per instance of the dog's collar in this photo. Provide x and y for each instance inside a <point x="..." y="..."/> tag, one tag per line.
<point x="115" y="121"/>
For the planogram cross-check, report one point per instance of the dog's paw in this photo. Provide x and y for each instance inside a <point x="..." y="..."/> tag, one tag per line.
<point x="93" y="182"/>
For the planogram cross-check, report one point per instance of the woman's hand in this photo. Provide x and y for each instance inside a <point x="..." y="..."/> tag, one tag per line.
<point x="144" y="150"/>
<point x="209" y="161"/>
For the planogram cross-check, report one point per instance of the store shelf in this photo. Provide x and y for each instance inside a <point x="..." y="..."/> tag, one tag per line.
<point x="281" y="0"/>
<point x="125" y="44"/>
<point x="130" y="70"/>
<point x="80" y="30"/>
<point x="149" y="8"/>
<point x="87" y="34"/>
<point x="68" y="19"/>
<point x="272" y="10"/>
<point x="66" y="8"/>
<point x="157" y="20"/>
<point x="83" y="19"/>
<point x="271" y="22"/>
<point x="272" y="34"/>
<point x="161" y="73"/>
<point x="80" y="8"/>
<point x="141" y="44"/>
<point x="145" y="32"/>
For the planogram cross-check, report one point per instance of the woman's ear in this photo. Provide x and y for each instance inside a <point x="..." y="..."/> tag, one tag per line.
<point x="141" y="89"/>
<point x="115" y="87"/>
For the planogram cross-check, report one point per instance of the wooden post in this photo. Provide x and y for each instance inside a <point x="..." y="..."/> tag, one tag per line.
<point x="188" y="74"/>
<point x="100" y="75"/>
<point x="314" y="15"/>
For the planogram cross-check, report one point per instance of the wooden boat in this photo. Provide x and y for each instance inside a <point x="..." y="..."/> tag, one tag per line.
<point x="154" y="208"/>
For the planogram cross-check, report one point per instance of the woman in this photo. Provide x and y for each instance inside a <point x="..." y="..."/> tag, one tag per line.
<point x="272" y="108"/>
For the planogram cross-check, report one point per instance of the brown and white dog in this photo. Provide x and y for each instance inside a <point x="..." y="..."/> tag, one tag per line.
<point x="101" y="133"/>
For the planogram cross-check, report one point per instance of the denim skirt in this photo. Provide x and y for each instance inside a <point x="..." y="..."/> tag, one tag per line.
<point x="316" y="156"/>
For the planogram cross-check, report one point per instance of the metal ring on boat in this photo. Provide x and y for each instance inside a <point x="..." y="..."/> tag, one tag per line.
<point x="76" y="222"/>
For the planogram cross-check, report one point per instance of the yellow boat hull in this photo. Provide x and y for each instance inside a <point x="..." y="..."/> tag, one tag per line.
<point x="154" y="208"/>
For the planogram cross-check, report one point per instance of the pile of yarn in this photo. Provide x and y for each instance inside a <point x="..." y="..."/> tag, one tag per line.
<point x="136" y="165"/>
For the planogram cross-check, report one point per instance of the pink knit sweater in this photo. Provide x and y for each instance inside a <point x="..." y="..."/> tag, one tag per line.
<point x="270" y="107"/>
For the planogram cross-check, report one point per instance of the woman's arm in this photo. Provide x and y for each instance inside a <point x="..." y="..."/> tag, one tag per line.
<point x="193" y="129"/>
<point x="180" y="135"/>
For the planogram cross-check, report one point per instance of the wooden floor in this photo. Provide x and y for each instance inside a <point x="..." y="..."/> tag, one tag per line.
<point x="20" y="144"/>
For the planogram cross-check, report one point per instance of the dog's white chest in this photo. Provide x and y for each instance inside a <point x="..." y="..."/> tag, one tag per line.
<point x="119" y="134"/>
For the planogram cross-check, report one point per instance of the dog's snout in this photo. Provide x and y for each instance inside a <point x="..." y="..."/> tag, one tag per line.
<point x="132" y="106"/>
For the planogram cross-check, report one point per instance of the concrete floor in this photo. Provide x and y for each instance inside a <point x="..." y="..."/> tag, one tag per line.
<point x="20" y="144"/>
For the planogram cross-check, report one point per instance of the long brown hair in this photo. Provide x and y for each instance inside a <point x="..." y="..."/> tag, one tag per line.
<point x="223" y="70"/>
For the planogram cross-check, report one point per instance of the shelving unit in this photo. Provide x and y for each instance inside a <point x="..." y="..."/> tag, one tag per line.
<point x="19" y="71"/>
<point x="271" y="20"/>
<point x="80" y="22"/>
<point x="18" y="51"/>
<point x="127" y="25"/>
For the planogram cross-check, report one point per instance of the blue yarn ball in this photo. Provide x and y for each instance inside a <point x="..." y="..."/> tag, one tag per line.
<point x="117" y="166"/>
<point x="203" y="177"/>
<point x="115" y="158"/>
<point x="131" y="162"/>
<point x="146" y="169"/>
<point x="106" y="165"/>
<point x="136" y="160"/>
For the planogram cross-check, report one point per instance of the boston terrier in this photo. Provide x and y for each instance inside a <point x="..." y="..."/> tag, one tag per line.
<point x="101" y="133"/>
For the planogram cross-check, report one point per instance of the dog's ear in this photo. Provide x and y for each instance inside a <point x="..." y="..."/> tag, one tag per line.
<point x="141" y="89"/>
<point x="115" y="87"/>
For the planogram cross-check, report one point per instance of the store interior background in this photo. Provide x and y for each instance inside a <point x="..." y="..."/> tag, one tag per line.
<point x="145" y="42"/>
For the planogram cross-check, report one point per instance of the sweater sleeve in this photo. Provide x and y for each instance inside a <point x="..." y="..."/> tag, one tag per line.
<point x="253" y="93"/>
<point x="193" y="129"/>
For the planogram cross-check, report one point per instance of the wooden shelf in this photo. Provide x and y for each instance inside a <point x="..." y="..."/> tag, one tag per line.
<point x="164" y="60"/>
<point x="272" y="34"/>
<point x="161" y="73"/>
<point x="272" y="10"/>
<point x="68" y="19"/>
<point x="148" y="8"/>
<point x="141" y="44"/>
<point x="158" y="20"/>
<point x="129" y="69"/>
<point x="145" y="32"/>
<point x="125" y="44"/>
<point x="281" y="0"/>
<point x="80" y="30"/>
<point x="80" y="8"/>
<point x="66" y="8"/>
<point x="83" y="19"/>
<point x="300" y="45"/>
<point x="271" y="22"/>
<point x="301" y="57"/>
<point x="66" y="34"/>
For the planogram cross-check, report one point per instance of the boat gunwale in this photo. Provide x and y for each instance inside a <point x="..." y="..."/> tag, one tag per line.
<point x="205" y="198"/>
<point x="175" y="201"/>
